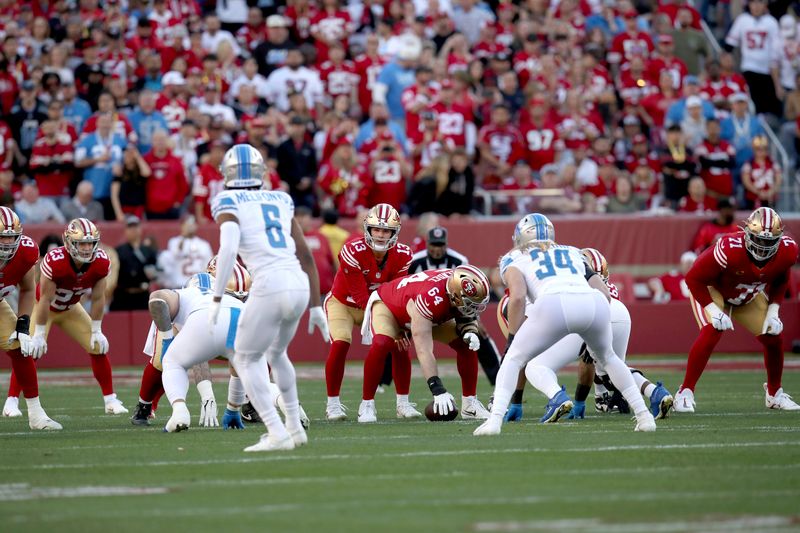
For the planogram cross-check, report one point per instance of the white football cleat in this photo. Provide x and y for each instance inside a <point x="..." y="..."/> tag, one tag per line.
<point x="40" y="420"/>
<point x="270" y="444"/>
<point x="115" y="407"/>
<point x="304" y="420"/>
<point x="781" y="400"/>
<point x="407" y="409"/>
<point x="299" y="437"/>
<point x="645" y="422"/>
<point x="684" y="401"/>
<point x="367" y="414"/>
<point x="335" y="411"/>
<point x="180" y="420"/>
<point x="11" y="407"/>
<point x="492" y="426"/>
<point x="473" y="409"/>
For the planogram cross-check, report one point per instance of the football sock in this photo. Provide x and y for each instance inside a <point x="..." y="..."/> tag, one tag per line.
<point x="176" y="381"/>
<point x="386" y="376"/>
<point x="467" y="364"/>
<point x="373" y="365"/>
<point x="699" y="354"/>
<point x="773" y="361"/>
<point x="582" y="392"/>
<point x="151" y="383"/>
<point x="645" y="387"/>
<point x="543" y="379"/>
<point x="621" y="376"/>
<point x="334" y="367"/>
<point x="34" y="407"/>
<point x="252" y="370"/>
<point x="488" y="357"/>
<point x="286" y="380"/>
<point x="401" y="369"/>
<point x="101" y="368"/>
<point x="236" y="394"/>
<point x="23" y="375"/>
<point x="506" y="383"/>
<point x="402" y="398"/>
<point x="517" y="396"/>
<point x="158" y="397"/>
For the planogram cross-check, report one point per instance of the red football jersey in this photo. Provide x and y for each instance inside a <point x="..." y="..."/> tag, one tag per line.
<point x="339" y="78"/>
<point x="613" y="291"/>
<point x="428" y="291"/>
<point x="71" y="284"/>
<point x="729" y="269"/>
<point x="453" y="121"/>
<point x="207" y="184"/>
<point x="504" y="142"/>
<point x="716" y="162"/>
<point x="12" y="272"/>
<point x="367" y="70"/>
<point x="708" y="234"/>
<point x="386" y="185"/>
<point x="359" y="272"/>
<point x="625" y="46"/>
<point x="674" y="284"/>
<point x="541" y="143"/>
<point x="764" y="176"/>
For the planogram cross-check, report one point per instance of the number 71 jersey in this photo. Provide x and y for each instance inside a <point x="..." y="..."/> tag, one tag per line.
<point x="265" y="222"/>
<point x="558" y="269"/>
<point x="71" y="284"/>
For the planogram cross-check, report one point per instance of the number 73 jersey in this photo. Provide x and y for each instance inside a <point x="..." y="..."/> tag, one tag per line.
<point x="71" y="284"/>
<point x="558" y="269"/>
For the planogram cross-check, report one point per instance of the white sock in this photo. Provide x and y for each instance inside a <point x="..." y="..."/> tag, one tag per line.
<point x="236" y="395"/>
<point x="110" y="397"/>
<point x="333" y="400"/>
<point x="544" y="379"/>
<point x="252" y="370"/>
<point x="505" y="384"/>
<point x="175" y="381"/>
<point x="648" y="389"/>
<point x="144" y="402"/>
<point x="402" y="398"/>
<point x="34" y="406"/>
<point x="286" y="380"/>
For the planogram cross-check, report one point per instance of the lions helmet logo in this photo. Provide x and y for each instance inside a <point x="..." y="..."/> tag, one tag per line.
<point x="469" y="288"/>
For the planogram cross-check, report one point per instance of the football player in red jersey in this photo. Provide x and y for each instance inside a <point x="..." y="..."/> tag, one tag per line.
<point x="744" y="277"/>
<point x="18" y="255"/>
<point x="364" y="264"/>
<point x="441" y="305"/>
<point x="69" y="272"/>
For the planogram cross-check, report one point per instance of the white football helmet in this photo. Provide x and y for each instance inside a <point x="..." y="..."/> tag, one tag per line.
<point x="382" y="216"/>
<point x="243" y="167"/>
<point x="533" y="227"/>
<point x="596" y="260"/>
<point x="10" y="226"/>
<point x="763" y="230"/>
<point x="81" y="230"/>
<point x="468" y="289"/>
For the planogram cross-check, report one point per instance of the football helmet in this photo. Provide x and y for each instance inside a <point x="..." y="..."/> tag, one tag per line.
<point x="239" y="284"/>
<point x="596" y="260"/>
<point x="763" y="230"/>
<point x="468" y="289"/>
<point x="382" y="216"/>
<point x="81" y="230"/>
<point x="533" y="227"/>
<point x="243" y="167"/>
<point x="10" y="226"/>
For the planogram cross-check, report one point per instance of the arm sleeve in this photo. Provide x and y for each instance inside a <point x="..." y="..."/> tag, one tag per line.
<point x="703" y="273"/>
<point x="229" y="234"/>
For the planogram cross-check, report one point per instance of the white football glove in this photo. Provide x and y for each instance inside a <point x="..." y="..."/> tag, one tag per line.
<point x="25" y="342"/>
<point x="98" y="338"/>
<point x="772" y="324"/>
<point x="38" y="344"/>
<point x="443" y="403"/>
<point x="213" y="313"/>
<point x="472" y="341"/>
<point x="719" y="319"/>
<point x="208" y="413"/>
<point x="316" y="319"/>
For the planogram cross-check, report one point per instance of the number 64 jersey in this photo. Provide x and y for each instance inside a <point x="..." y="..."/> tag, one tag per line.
<point x="71" y="284"/>
<point x="557" y="269"/>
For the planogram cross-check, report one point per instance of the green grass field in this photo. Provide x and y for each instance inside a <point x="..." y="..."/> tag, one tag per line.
<point x="733" y="466"/>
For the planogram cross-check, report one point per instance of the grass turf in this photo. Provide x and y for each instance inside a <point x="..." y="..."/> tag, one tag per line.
<point x="733" y="466"/>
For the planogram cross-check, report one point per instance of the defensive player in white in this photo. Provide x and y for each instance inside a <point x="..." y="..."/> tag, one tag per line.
<point x="259" y="226"/>
<point x="554" y="278"/>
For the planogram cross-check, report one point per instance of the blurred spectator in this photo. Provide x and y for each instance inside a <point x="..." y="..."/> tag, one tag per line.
<point x="214" y="34"/>
<point x="740" y="128"/>
<point x="76" y="110"/>
<point x="469" y="17"/>
<point x="710" y="231"/>
<point x="691" y="45"/>
<point x="212" y="106"/>
<point x="319" y="246"/>
<point x="294" y="77"/>
<point x="184" y="146"/>
<point x="671" y="287"/>
<point x="378" y="121"/>
<point x="623" y="200"/>
<point x="145" y="121"/>
<point x="335" y="234"/>
<point x="791" y="113"/>
<point x="185" y="255"/>
<point x="137" y="269"/>
<point x="100" y="156"/>
<point x="425" y="223"/>
<point x="250" y="76"/>
<point x="82" y="205"/>
<point x="120" y="124"/>
<point x="387" y="174"/>
<point x="32" y="209"/>
<point x="677" y="165"/>
<point x="128" y="195"/>
<point x="696" y="201"/>
<point x="297" y="163"/>
<point x="566" y="201"/>
<point x="693" y="124"/>
<point x="208" y="182"/>
<point x="24" y="120"/>
<point x="457" y="196"/>
<point x="167" y="188"/>
<point x="717" y="159"/>
<point x="500" y="143"/>
<point x="272" y="53"/>
<point x="761" y="176"/>
<point x="396" y="76"/>
<point x="341" y="178"/>
<point x="520" y="180"/>
<point x="52" y="161"/>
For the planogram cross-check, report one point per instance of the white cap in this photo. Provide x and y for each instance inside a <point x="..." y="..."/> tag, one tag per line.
<point x="277" y="21"/>
<point x="739" y="97"/>
<point x="410" y="47"/>
<point x="788" y="26"/>
<point x="173" y="77"/>
<point x="694" y="101"/>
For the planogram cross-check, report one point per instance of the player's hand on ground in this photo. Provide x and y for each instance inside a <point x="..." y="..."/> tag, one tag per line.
<point x="208" y="413"/>
<point x="38" y="346"/>
<point x="213" y="313"/>
<point x="719" y="319"/>
<point x="316" y="319"/>
<point x="443" y="403"/>
<point x="514" y="413"/>
<point x="232" y="420"/>
<point x="472" y="340"/>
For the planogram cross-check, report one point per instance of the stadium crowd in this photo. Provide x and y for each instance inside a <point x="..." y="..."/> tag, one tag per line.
<point x="114" y="108"/>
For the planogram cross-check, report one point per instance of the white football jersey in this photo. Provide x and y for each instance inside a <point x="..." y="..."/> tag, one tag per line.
<point x="559" y="269"/>
<point x="265" y="220"/>
<point x="759" y="41"/>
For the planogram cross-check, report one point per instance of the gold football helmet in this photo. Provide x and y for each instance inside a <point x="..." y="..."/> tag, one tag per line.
<point x="81" y="231"/>
<point x="468" y="289"/>
<point x="10" y="226"/>
<point x="239" y="284"/>
<point x="382" y="216"/>
<point x="596" y="260"/>
<point x="763" y="230"/>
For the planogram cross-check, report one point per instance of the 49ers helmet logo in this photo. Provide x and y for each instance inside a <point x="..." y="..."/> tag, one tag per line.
<point x="469" y="288"/>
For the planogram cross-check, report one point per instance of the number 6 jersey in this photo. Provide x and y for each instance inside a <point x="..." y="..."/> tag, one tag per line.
<point x="71" y="284"/>
<point x="558" y="269"/>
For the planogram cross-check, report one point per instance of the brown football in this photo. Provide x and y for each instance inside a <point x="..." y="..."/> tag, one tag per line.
<point x="434" y="417"/>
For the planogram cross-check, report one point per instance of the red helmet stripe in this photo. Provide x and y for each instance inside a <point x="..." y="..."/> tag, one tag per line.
<point x="479" y="274"/>
<point x="8" y="220"/>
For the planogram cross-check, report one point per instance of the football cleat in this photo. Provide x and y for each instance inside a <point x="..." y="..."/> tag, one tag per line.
<point x="492" y="426"/>
<point x="141" y="415"/>
<point x="367" y="413"/>
<point x="299" y="437"/>
<point x="558" y="406"/>
<point x="40" y="420"/>
<point x="268" y="443"/>
<point x="514" y="413"/>
<point x="11" y="407"/>
<point x="180" y="420"/>
<point x="684" y="401"/>
<point x="249" y="414"/>
<point x="578" y="411"/>
<point x="618" y="404"/>
<point x="473" y="409"/>
<point x="661" y="401"/>
<point x="781" y="400"/>
<point x="645" y="422"/>
<point x="601" y="402"/>
<point x="304" y="420"/>
<point x="407" y="409"/>
<point x="115" y="407"/>
<point x="335" y="411"/>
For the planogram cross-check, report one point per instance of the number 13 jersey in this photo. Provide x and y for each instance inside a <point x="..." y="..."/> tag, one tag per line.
<point x="71" y="284"/>
<point x="265" y="222"/>
<point x="558" y="269"/>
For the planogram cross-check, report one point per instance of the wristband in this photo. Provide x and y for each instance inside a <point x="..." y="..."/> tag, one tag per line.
<point x="23" y="324"/>
<point x="436" y="386"/>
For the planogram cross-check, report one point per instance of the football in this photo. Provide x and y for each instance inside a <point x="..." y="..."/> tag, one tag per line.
<point x="435" y="417"/>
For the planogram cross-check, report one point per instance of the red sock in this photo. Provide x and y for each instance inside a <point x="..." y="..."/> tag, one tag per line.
<point x="334" y="367"/>
<point x="467" y="363"/>
<point x="23" y="375"/>
<point x="699" y="354"/>
<point x="151" y="383"/>
<point x="373" y="365"/>
<point x="157" y="397"/>
<point x="773" y="361"/>
<point x="401" y="371"/>
<point x="101" y="368"/>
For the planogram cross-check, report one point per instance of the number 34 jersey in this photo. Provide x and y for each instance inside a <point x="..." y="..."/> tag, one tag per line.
<point x="558" y="269"/>
<point x="71" y="284"/>
<point x="265" y="222"/>
<point x="11" y="273"/>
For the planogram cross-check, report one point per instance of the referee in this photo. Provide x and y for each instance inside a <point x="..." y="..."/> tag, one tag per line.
<point x="436" y="255"/>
